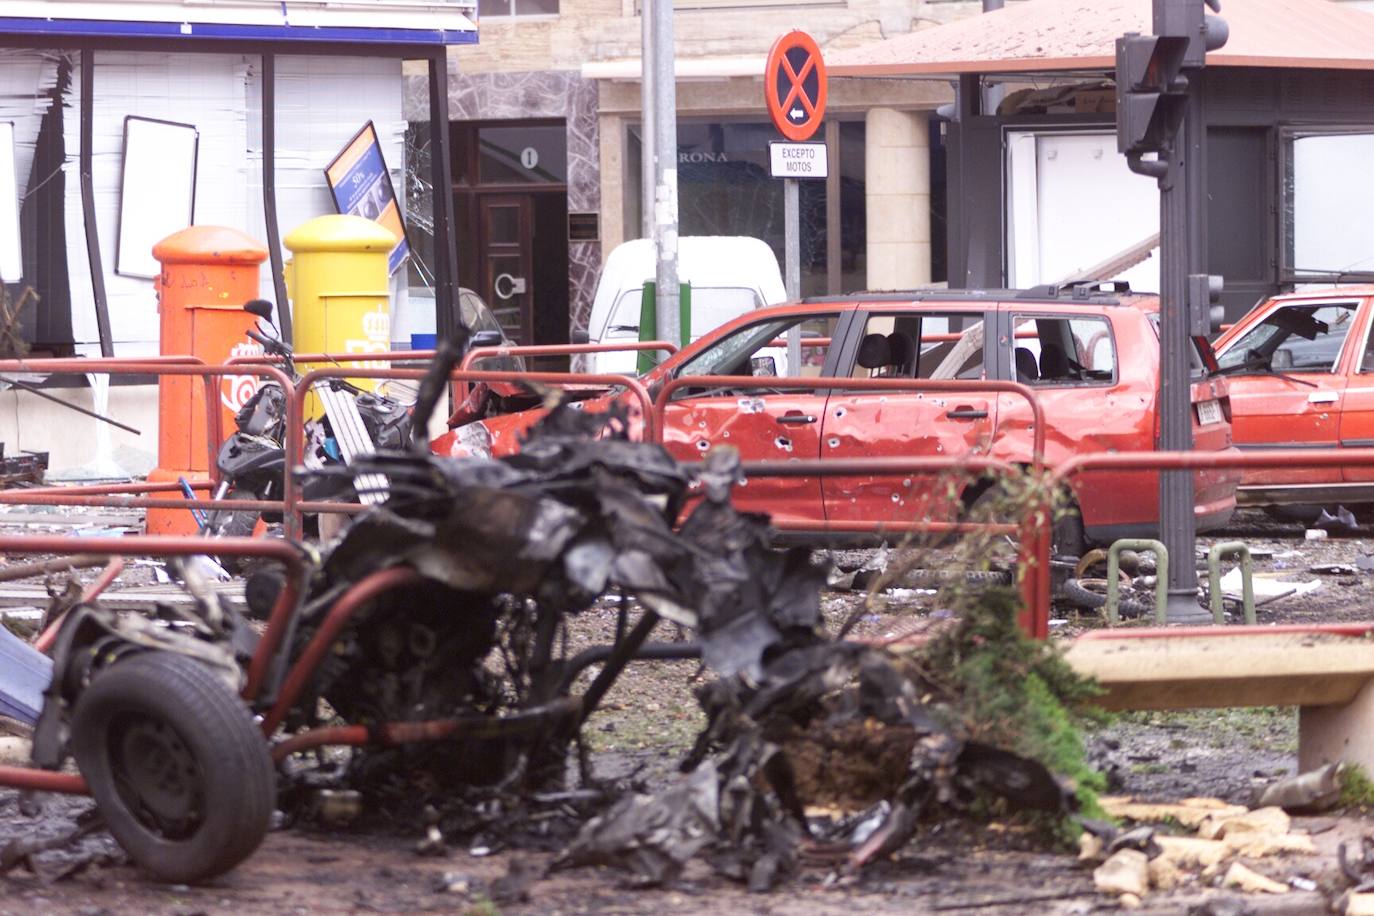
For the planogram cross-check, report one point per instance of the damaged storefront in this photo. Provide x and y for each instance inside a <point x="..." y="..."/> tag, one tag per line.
<point x="126" y="122"/>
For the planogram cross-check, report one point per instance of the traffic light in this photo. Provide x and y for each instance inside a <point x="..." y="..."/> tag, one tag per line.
<point x="1204" y="313"/>
<point x="1151" y="92"/>
<point x="1152" y="79"/>
<point x="1185" y="19"/>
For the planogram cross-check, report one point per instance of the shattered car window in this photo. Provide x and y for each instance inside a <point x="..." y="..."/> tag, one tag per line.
<point x="934" y="345"/>
<point x="1294" y="338"/>
<point x="1053" y="351"/>
<point x="735" y="353"/>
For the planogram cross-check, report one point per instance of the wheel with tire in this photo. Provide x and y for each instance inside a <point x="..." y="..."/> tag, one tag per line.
<point x="1068" y="538"/>
<point x="179" y="771"/>
<point x="1091" y="595"/>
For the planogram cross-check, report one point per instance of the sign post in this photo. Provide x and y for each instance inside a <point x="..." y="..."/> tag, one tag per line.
<point x="794" y="84"/>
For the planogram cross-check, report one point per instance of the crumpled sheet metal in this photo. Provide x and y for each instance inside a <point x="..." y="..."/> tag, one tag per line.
<point x="791" y="715"/>
<point x="829" y="723"/>
<point x="572" y="516"/>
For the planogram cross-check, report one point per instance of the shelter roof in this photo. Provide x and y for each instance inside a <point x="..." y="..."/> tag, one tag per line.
<point x="1052" y="35"/>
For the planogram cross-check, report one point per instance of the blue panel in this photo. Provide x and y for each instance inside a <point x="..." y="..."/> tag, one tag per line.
<point x="113" y="29"/>
<point x="24" y="674"/>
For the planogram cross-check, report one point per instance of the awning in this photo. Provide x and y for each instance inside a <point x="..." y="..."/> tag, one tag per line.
<point x="347" y="22"/>
<point x="1054" y="35"/>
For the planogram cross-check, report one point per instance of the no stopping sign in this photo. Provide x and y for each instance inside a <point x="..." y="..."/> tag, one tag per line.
<point x="794" y="85"/>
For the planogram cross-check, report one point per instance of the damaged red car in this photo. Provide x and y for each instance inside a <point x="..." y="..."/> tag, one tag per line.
<point x="1091" y="357"/>
<point x="1300" y="368"/>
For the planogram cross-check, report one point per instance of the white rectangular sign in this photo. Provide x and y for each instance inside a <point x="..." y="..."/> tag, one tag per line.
<point x="11" y="262"/>
<point x="798" y="160"/>
<point x="157" y="192"/>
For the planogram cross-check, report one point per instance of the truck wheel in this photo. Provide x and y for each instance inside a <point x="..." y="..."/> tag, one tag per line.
<point x="179" y="772"/>
<point x="1068" y="538"/>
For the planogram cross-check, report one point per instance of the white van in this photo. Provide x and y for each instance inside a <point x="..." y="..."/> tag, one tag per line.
<point x="729" y="274"/>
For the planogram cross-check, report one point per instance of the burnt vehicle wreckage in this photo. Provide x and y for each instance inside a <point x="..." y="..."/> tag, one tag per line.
<point x="436" y="630"/>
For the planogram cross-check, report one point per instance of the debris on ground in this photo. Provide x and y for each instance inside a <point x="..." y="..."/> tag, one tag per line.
<point x="1305" y="793"/>
<point x="1224" y="833"/>
<point x="1251" y="881"/>
<point x="1127" y="871"/>
<point x="24" y="469"/>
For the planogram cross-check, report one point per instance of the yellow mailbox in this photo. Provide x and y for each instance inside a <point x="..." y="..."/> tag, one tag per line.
<point x="340" y="288"/>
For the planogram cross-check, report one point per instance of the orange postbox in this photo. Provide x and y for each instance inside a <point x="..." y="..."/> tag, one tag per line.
<point x="208" y="273"/>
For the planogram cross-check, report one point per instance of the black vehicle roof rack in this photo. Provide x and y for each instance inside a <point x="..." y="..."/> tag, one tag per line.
<point x="1081" y="293"/>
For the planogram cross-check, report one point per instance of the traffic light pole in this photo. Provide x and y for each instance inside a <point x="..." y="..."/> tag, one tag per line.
<point x="1159" y="112"/>
<point x="1180" y="217"/>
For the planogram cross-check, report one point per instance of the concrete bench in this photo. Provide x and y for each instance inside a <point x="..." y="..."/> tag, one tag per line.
<point x="1324" y="669"/>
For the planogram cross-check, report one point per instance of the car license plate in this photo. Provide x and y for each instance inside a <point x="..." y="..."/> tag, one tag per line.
<point x="1208" y="412"/>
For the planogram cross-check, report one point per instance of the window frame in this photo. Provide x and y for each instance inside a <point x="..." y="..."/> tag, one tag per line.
<point x="1358" y="302"/>
<point x="516" y="16"/>
<point x="1012" y="313"/>
<point x="1288" y="272"/>
<point x="839" y="340"/>
<point x="848" y="359"/>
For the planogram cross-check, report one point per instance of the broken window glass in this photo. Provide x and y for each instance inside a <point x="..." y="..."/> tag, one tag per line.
<point x="1052" y="351"/>
<point x="1305" y="338"/>
<point x="761" y="348"/>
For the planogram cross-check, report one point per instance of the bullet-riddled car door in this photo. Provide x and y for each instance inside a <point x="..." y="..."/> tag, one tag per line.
<point x="1357" y="417"/>
<point x="761" y="422"/>
<point x="938" y="343"/>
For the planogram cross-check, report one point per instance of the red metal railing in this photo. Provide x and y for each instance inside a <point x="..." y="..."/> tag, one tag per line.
<point x="308" y="359"/>
<point x="480" y="353"/>
<point x="261" y="692"/>
<point x="187" y="545"/>
<point x="129" y="495"/>
<point x="136" y="495"/>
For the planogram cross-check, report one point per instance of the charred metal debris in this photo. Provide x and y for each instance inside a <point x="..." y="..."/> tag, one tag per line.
<point x="460" y="696"/>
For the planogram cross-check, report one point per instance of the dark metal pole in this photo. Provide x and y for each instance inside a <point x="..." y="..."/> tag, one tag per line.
<point x="102" y="305"/>
<point x="992" y="95"/>
<point x="446" y="320"/>
<point x="1181" y="211"/>
<point x="269" y="193"/>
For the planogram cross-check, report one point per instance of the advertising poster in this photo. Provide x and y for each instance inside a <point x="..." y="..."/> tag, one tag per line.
<point x="362" y="187"/>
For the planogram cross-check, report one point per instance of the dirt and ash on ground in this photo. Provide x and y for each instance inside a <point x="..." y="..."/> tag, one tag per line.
<point x="648" y="724"/>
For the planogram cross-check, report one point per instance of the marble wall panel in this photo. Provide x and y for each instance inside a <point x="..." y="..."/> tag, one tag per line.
<point x="539" y="94"/>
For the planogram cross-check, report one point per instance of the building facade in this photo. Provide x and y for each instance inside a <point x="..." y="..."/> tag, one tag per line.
<point x="546" y="138"/>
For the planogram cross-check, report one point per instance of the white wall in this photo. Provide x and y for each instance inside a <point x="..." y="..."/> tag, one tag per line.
<point x="1071" y="204"/>
<point x="321" y="103"/>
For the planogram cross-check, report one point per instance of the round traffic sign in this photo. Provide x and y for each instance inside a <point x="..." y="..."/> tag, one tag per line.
<point x="794" y="85"/>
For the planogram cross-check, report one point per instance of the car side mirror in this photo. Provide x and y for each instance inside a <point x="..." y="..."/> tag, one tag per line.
<point x="262" y="308"/>
<point x="580" y="336"/>
<point x="488" y="339"/>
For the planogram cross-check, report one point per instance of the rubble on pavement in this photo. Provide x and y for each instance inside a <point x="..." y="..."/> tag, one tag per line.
<point x="1225" y="843"/>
